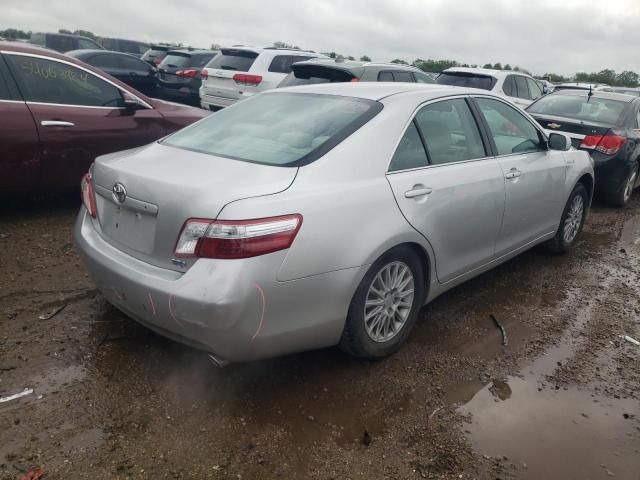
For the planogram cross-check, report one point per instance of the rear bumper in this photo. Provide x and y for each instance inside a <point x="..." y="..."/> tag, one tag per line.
<point x="610" y="174"/>
<point x="235" y="309"/>
<point x="207" y="101"/>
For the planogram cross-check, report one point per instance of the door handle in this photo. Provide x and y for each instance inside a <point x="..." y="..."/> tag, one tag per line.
<point x="56" y="123"/>
<point x="417" y="192"/>
<point x="513" y="173"/>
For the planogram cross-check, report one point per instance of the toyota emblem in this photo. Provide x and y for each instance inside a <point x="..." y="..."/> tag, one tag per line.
<point x="119" y="193"/>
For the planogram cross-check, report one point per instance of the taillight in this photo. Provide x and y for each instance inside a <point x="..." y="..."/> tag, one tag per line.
<point x="190" y="73"/>
<point x="247" y="79"/>
<point x="88" y="198"/>
<point x="157" y="61"/>
<point x="355" y="80"/>
<point x="607" y="144"/>
<point x="232" y="239"/>
<point x="204" y="73"/>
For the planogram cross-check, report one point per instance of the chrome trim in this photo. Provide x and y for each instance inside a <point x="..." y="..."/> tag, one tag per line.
<point x="56" y="123"/>
<point x="76" y="106"/>
<point x="12" y="101"/>
<point x="71" y="64"/>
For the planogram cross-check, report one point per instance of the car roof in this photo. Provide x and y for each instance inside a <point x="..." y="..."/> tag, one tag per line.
<point x="83" y="52"/>
<point x="30" y="48"/>
<point x="379" y="90"/>
<point x="621" y="97"/>
<point x="484" y="71"/>
<point x="191" y="50"/>
<point x="258" y="50"/>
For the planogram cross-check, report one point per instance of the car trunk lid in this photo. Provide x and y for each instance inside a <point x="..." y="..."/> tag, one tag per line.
<point x="222" y="69"/>
<point x="144" y="196"/>
<point x="576" y="129"/>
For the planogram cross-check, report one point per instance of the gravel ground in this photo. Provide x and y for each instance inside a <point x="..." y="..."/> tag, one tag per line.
<point x="113" y="400"/>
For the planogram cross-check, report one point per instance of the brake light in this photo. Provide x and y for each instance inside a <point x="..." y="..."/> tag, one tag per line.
<point x="232" y="239"/>
<point x="88" y="198"/>
<point x="247" y="79"/>
<point x="355" y="80"/>
<point x="157" y="61"/>
<point x="204" y="73"/>
<point x="190" y="73"/>
<point x="607" y="144"/>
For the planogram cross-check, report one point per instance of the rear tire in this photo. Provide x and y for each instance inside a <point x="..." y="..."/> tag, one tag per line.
<point x="385" y="308"/>
<point x="572" y="220"/>
<point x="621" y="198"/>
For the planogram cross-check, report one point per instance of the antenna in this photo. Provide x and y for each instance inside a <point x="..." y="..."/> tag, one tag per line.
<point x="590" y="93"/>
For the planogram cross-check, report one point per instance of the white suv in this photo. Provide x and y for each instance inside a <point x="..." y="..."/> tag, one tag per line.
<point x="239" y="72"/>
<point x="517" y="87"/>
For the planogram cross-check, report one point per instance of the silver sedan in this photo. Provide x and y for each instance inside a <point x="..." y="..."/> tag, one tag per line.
<point x="324" y="215"/>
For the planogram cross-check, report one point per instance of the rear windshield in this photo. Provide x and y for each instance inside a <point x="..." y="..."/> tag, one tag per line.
<point x="237" y="60"/>
<point x="463" y="79"/>
<point x="282" y="129"/>
<point x="314" y="74"/>
<point x="176" y="60"/>
<point x="580" y="107"/>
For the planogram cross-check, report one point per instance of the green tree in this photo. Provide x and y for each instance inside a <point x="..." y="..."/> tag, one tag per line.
<point x="497" y="66"/>
<point x="487" y="65"/>
<point x="399" y="61"/>
<point x="365" y="58"/>
<point x="350" y="57"/>
<point x="14" y="33"/>
<point x="507" y="67"/>
<point x="627" y="79"/>
<point x="285" y="45"/>
<point x="64" y="30"/>
<point x="86" y="33"/>
<point x="215" y="46"/>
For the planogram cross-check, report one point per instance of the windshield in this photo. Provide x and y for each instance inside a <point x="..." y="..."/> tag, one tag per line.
<point x="580" y="107"/>
<point x="464" y="79"/>
<point x="284" y="129"/>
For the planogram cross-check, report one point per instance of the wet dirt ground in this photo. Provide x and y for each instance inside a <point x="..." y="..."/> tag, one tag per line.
<point x="112" y="400"/>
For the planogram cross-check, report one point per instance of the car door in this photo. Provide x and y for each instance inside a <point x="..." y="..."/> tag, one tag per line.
<point x="534" y="175"/>
<point x="19" y="144"/>
<point x="79" y="115"/>
<point x="139" y="74"/>
<point x="448" y="188"/>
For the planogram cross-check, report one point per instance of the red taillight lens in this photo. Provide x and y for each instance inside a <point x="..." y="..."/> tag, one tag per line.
<point x="192" y="72"/>
<point x="88" y="198"/>
<point x="231" y="239"/>
<point x="157" y="61"/>
<point x="204" y="73"/>
<point x="607" y="144"/>
<point x="247" y="79"/>
<point x="355" y="80"/>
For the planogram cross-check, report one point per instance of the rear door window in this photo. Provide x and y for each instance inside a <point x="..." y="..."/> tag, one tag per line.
<point x="464" y="79"/>
<point x="230" y="59"/>
<point x="450" y="132"/>
<point x="401" y="76"/>
<point x="105" y="60"/>
<point x="509" y="86"/>
<point x="410" y="152"/>
<point x="85" y="43"/>
<point x="132" y="64"/>
<point x="49" y="81"/>
<point x="423" y="77"/>
<point x="534" y="88"/>
<point x="60" y="43"/>
<point x="385" y="77"/>
<point x="199" y="60"/>
<point x="522" y="87"/>
<point x="512" y="132"/>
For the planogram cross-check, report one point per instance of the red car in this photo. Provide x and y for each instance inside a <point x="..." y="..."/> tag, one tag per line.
<point x="58" y="114"/>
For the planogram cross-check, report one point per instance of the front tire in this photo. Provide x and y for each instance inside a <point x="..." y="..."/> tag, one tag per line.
<point x="572" y="221"/>
<point x="385" y="306"/>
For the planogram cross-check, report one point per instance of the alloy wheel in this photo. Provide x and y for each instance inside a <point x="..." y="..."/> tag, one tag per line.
<point x="628" y="189"/>
<point x="389" y="301"/>
<point x="574" y="219"/>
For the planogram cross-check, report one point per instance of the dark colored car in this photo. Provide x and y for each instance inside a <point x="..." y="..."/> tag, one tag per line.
<point x="57" y="114"/>
<point x="125" y="46"/>
<point x="179" y="75"/>
<point x="604" y="124"/>
<point x="63" y="42"/>
<point x="333" y="71"/>
<point x="155" y="54"/>
<point x="126" y="68"/>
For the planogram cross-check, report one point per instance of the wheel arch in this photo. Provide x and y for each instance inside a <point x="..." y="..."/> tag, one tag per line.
<point x="588" y="182"/>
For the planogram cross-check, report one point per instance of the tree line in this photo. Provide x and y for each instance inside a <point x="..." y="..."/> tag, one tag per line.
<point x="626" y="78"/>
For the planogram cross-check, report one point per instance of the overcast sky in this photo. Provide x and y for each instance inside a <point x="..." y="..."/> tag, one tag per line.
<point x="562" y="36"/>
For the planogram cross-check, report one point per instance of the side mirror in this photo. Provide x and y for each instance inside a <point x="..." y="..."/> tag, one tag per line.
<point x="559" y="141"/>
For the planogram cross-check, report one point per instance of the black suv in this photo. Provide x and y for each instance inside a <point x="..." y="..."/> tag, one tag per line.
<point x="63" y="42"/>
<point x="333" y="71"/>
<point x="179" y="76"/>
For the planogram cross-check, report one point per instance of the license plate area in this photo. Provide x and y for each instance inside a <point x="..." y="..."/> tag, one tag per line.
<point x="134" y="229"/>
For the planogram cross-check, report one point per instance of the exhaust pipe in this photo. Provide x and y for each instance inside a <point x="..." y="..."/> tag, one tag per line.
<point x="217" y="361"/>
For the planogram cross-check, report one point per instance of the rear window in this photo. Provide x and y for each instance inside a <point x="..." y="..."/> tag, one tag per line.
<point x="463" y="79"/>
<point x="176" y="60"/>
<point x="200" y="59"/>
<point x="281" y="129"/>
<point x="580" y="107"/>
<point x="237" y="60"/>
<point x="311" y="74"/>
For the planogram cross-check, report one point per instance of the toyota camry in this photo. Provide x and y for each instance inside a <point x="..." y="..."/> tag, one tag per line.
<point x="324" y="215"/>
